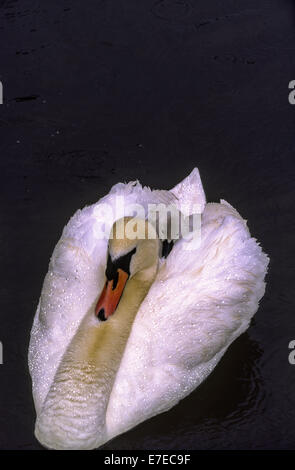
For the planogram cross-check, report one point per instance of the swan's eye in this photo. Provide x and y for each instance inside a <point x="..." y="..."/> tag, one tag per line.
<point x="120" y="263"/>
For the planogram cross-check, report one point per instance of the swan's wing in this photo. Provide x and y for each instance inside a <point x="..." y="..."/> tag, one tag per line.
<point x="69" y="291"/>
<point x="200" y="302"/>
<point x="76" y="275"/>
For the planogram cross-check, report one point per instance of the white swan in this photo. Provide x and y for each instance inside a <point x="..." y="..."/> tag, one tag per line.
<point x="94" y="379"/>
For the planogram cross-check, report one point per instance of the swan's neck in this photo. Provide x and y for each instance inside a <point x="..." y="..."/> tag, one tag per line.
<point x="77" y="401"/>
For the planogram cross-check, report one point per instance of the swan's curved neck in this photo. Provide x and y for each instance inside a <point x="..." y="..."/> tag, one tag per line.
<point x="74" y="411"/>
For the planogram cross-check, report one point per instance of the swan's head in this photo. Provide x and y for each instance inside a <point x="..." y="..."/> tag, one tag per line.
<point x="133" y="253"/>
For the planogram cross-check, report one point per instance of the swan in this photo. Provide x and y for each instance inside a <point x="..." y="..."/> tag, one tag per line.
<point x="122" y="333"/>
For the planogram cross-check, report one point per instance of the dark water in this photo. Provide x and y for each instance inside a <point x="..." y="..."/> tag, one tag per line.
<point x="104" y="91"/>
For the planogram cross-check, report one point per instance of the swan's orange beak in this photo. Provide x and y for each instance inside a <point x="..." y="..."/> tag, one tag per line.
<point x="110" y="296"/>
